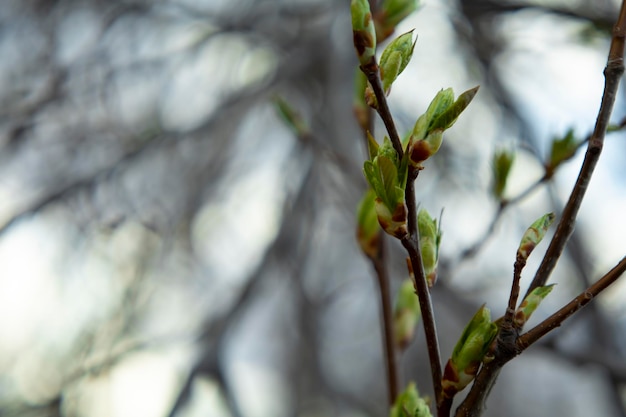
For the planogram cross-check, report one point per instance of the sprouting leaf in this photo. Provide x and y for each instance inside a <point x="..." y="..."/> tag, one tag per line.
<point x="410" y="404"/>
<point x="563" y="149"/>
<point x="501" y="167"/>
<point x="430" y="237"/>
<point x="406" y="314"/>
<point x="447" y="118"/>
<point x="367" y="224"/>
<point x="441" y="114"/>
<point x="372" y="146"/>
<point x="533" y="235"/>
<point x="291" y="117"/>
<point x="530" y="304"/>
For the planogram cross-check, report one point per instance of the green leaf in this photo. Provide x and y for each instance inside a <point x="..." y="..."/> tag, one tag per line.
<point x="367" y="224"/>
<point x="441" y="114"/>
<point x="388" y="150"/>
<point x="469" y="352"/>
<point x="291" y="117"/>
<point x="446" y="119"/>
<point x="391" y="13"/>
<point x="530" y="304"/>
<point x="389" y="174"/>
<point x="395" y="58"/>
<point x="533" y="235"/>
<point x="403" y="172"/>
<point x="360" y="107"/>
<point x="420" y="128"/>
<point x="501" y="167"/>
<point x="406" y="314"/>
<point x="563" y="149"/>
<point x="372" y="146"/>
<point x="410" y="404"/>
<point x="372" y="174"/>
<point x="438" y="106"/>
<point x="390" y="70"/>
<point x="430" y="236"/>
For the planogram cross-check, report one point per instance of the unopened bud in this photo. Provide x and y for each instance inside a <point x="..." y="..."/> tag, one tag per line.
<point x="430" y="237"/>
<point x="533" y="235"/>
<point x="363" y="31"/>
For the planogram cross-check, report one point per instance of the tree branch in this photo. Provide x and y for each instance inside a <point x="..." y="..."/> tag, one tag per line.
<point x="572" y="307"/>
<point x="411" y="241"/>
<point x="612" y="74"/>
<point x="508" y="345"/>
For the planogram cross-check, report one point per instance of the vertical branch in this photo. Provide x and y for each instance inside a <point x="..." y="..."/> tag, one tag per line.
<point x="612" y="74"/>
<point x="387" y="316"/>
<point x="411" y="241"/>
<point x="474" y="403"/>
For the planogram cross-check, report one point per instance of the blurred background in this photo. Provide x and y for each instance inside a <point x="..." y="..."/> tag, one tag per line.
<point x="169" y="248"/>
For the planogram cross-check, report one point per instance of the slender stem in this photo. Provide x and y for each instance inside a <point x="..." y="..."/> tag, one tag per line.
<point x="515" y="288"/>
<point x="411" y="241"/>
<point x="428" y="318"/>
<point x="385" y="303"/>
<point x="380" y="266"/>
<point x="612" y="74"/>
<point x="572" y="307"/>
<point x="371" y="72"/>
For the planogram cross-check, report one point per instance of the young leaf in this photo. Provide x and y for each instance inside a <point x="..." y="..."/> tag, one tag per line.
<point x="406" y="314"/>
<point x="367" y="225"/>
<point x="410" y="404"/>
<point x="438" y="106"/>
<point x="501" y="167"/>
<point x="390" y="14"/>
<point x="562" y="150"/>
<point x="428" y="130"/>
<point x="533" y="235"/>
<point x="469" y="352"/>
<point x="395" y="58"/>
<point x="530" y="304"/>
<point x="291" y="117"/>
<point x="447" y="118"/>
<point x="430" y="237"/>
<point x="372" y="145"/>
<point x="389" y="175"/>
<point x="359" y="106"/>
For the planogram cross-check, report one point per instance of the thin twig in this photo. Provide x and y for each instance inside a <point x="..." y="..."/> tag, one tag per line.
<point x="572" y="307"/>
<point x="515" y="288"/>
